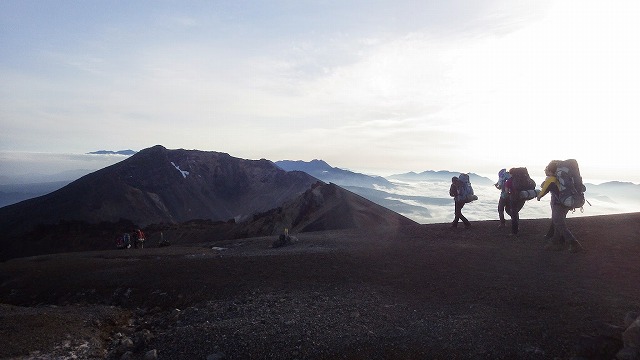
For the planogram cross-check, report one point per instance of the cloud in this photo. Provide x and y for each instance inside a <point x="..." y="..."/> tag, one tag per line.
<point x="25" y="163"/>
<point x="455" y="84"/>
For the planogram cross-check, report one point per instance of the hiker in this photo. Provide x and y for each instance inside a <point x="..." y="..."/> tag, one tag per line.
<point x="139" y="238"/>
<point x="127" y="240"/>
<point x="120" y="242"/>
<point x="518" y="182"/>
<point x="561" y="233"/>
<point x="513" y="206"/>
<point x="503" y="175"/>
<point x="455" y="191"/>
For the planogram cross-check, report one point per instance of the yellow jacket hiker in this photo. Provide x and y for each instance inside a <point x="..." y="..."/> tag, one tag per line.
<point x="561" y="234"/>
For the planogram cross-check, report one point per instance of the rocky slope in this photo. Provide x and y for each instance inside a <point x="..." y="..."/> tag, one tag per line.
<point x="416" y="291"/>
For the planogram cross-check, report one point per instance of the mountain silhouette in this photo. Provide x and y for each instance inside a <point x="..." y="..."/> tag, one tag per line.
<point x="323" y="171"/>
<point x="127" y="152"/>
<point x="440" y="176"/>
<point x="158" y="185"/>
<point x="230" y="197"/>
<point x="325" y="207"/>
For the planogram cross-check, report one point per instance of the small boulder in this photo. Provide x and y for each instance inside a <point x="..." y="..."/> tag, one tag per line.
<point x="151" y="355"/>
<point x="630" y="317"/>
<point x="216" y="356"/>
<point x="284" y="240"/>
<point x="631" y="336"/>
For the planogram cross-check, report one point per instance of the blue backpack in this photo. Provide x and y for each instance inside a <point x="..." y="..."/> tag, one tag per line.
<point x="465" y="190"/>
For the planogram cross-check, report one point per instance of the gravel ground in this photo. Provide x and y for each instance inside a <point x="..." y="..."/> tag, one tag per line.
<point x="420" y="292"/>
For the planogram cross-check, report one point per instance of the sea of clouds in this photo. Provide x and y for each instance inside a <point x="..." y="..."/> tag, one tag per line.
<point x="485" y="208"/>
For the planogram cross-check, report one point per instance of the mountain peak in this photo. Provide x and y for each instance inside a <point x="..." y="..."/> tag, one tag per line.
<point x="151" y="187"/>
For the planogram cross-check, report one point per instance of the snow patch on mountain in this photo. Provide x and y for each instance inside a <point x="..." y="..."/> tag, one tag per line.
<point x="184" y="173"/>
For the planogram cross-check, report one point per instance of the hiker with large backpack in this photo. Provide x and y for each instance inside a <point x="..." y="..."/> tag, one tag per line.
<point x="564" y="183"/>
<point x="462" y="193"/>
<point x="503" y="175"/>
<point x="518" y="182"/>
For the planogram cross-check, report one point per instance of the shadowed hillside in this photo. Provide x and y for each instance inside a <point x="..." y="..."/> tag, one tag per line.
<point x="159" y="185"/>
<point x="326" y="207"/>
<point x="190" y="195"/>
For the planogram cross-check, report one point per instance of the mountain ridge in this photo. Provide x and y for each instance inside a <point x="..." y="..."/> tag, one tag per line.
<point x="147" y="188"/>
<point x="440" y="175"/>
<point x="232" y="197"/>
<point x="325" y="172"/>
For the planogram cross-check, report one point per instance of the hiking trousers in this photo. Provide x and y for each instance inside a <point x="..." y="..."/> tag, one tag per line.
<point x="458" y="211"/>
<point x="501" y="204"/>
<point x="514" y="211"/>
<point x="559" y="218"/>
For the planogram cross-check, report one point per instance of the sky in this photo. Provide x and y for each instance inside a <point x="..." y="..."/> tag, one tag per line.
<point x="380" y="87"/>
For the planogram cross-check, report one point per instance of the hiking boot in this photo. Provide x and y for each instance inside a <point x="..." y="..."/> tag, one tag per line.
<point x="575" y="246"/>
<point x="501" y="226"/>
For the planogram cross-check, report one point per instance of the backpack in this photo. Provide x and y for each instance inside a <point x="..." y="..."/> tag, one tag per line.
<point x="503" y="175"/>
<point x="570" y="184"/>
<point x="465" y="191"/>
<point x="521" y="180"/>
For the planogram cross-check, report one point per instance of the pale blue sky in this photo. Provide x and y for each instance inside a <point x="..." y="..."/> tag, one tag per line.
<point x="373" y="86"/>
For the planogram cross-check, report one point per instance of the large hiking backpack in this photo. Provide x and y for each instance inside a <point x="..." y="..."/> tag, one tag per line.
<point x="521" y="180"/>
<point x="570" y="184"/>
<point x="465" y="190"/>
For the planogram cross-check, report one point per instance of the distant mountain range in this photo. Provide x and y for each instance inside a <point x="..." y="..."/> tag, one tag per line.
<point x="110" y="152"/>
<point x="326" y="173"/>
<point x="441" y="175"/>
<point x="614" y="190"/>
<point x="381" y="190"/>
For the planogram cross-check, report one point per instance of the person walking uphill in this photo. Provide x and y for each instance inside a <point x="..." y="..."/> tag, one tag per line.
<point x="456" y="191"/>
<point x="519" y="180"/>
<point x="561" y="233"/>
<point x="503" y="175"/>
